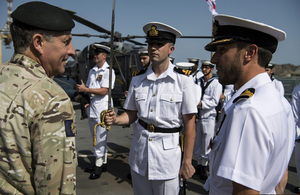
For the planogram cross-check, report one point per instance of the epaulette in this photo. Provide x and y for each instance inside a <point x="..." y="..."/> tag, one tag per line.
<point x="138" y="72"/>
<point x="182" y="71"/>
<point x="248" y="93"/>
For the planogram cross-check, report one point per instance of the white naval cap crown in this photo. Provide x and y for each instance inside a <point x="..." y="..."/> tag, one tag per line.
<point x="230" y="29"/>
<point x="207" y="63"/>
<point x="184" y="65"/>
<point x="194" y="60"/>
<point x="160" y="32"/>
<point x="101" y="48"/>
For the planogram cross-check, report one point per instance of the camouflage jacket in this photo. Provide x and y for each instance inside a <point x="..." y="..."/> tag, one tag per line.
<point x="37" y="131"/>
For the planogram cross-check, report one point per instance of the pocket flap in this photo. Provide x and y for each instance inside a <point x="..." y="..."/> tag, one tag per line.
<point x="170" y="142"/>
<point x="139" y="97"/>
<point x="171" y="97"/>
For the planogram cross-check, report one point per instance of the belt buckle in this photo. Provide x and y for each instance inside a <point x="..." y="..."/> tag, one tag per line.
<point x="151" y="128"/>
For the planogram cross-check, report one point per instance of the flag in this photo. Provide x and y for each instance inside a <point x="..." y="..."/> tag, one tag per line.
<point x="212" y="7"/>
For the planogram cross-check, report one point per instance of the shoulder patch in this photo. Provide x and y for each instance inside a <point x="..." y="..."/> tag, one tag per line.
<point x="138" y="72"/>
<point x="70" y="128"/>
<point x="248" y="93"/>
<point x="182" y="71"/>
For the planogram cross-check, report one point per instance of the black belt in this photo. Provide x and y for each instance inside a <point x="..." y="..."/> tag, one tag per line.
<point x="154" y="129"/>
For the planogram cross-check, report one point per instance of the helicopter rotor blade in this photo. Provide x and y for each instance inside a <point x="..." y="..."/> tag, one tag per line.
<point x="86" y="22"/>
<point x="197" y="37"/>
<point x="136" y="43"/>
<point x="89" y="35"/>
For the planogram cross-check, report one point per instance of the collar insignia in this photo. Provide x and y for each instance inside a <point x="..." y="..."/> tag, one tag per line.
<point x="248" y="93"/>
<point x="153" y="32"/>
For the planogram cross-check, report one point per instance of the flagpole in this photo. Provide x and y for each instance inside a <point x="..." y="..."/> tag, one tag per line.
<point x="212" y="38"/>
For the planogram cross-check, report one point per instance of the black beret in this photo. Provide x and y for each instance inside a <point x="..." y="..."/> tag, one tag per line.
<point x="43" y="16"/>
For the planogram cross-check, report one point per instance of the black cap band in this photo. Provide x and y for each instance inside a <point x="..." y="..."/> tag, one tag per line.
<point x="160" y="36"/>
<point x="99" y="50"/>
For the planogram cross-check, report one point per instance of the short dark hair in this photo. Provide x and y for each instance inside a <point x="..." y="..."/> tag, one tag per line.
<point x="264" y="55"/>
<point x="22" y="35"/>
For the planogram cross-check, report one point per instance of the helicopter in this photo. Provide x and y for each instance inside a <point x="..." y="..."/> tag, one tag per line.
<point x="125" y="60"/>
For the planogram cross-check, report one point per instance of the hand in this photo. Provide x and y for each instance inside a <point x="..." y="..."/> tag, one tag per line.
<point x="81" y="88"/>
<point x="186" y="170"/>
<point x="222" y="97"/>
<point x="200" y="103"/>
<point x="110" y="118"/>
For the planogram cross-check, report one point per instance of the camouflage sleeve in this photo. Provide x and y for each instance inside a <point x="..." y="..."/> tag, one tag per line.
<point x="53" y="140"/>
<point x="37" y="133"/>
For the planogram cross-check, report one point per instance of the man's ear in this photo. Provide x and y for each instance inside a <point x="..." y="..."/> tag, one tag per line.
<point x="251" y="51"/>
<point x="171" y="49"/>
<point x="38" y="42"/>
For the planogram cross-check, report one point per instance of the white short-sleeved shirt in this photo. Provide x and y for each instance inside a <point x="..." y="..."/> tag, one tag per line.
<point x="229" y="90"/>
<point x="162" y="102"/>
<point x="295" y="103"/>
<point x="255" y="142"/>
<point x="279" y="86"/>
<point x="211" y="97"/>
<point x="98" y="78"/>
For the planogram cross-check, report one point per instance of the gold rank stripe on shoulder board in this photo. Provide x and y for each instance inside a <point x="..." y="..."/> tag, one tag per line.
<point x="182" y="71"/>
<point x="248" y="93"/>
<point x="138" y="72"/>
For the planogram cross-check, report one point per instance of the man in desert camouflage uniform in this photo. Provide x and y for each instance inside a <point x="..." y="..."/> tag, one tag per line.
<point x="37" y="119"/>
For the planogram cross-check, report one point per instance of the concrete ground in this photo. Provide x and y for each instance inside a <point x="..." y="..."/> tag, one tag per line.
<point x="115" y="180"/>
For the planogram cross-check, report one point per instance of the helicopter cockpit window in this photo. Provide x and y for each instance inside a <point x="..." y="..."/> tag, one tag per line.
<point x="132" y="63"/>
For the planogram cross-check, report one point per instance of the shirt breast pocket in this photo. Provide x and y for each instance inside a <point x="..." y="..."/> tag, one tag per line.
<point x="170" y="105"/>
<point x="140" y="101"/>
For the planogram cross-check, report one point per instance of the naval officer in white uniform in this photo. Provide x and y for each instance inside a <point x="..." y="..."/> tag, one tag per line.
<point x="189" y="66"/>
<point x="211" y="91"/>
<point x="160" y="101"/>
<point x="97" y="87"/>
<point x="253" y="146"/>
<point x="278" y="84"/>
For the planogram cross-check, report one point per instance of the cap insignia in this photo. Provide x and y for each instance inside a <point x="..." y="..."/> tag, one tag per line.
<point x="215" y="28"/>
<point x="153" y="32"/>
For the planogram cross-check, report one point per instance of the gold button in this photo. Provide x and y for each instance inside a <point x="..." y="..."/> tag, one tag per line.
<point x="136" y="97"/>
<point x="171" y="99"/>
<point x="151" y="110"/>
<point x="154" y="94"/>
<point x="150" y="139"/>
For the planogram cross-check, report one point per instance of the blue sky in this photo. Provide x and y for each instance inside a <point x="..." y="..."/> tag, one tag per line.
<point x="191" y="17"/>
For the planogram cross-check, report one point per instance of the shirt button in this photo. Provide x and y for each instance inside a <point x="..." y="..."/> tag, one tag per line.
<point x="154" y="94"/>
<point x="171" y="99"/>
<point x="150" y="139"/>
<point x="136" y="97"/>
<point x="151" y="110"/>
